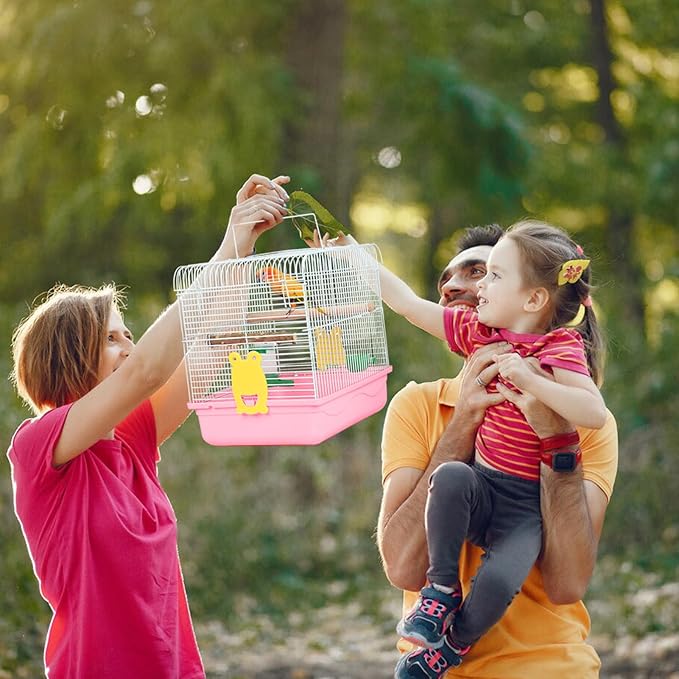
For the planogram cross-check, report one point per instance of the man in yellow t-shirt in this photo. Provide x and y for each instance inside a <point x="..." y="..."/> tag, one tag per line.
<point x="544" y="631"/>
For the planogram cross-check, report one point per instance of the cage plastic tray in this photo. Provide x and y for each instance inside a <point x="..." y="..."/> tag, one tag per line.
<point x="292" y="421"/>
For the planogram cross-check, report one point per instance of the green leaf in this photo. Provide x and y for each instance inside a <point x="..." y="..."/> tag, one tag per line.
<point x="301" y="203"/>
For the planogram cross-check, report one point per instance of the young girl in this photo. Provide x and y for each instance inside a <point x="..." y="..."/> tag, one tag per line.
<point x="100" y="530"/>
<point x="536" y="296"/>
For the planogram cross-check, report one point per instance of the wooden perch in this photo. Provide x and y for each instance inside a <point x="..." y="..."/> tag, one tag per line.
<point x="252" y="338"/>
<point x="300" y="312"/>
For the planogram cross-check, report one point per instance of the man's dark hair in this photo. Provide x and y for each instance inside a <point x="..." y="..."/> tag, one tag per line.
<point x="488" y="234"/>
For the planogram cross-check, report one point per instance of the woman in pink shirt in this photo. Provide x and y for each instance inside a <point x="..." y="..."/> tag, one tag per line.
<point x="99" y="528"/>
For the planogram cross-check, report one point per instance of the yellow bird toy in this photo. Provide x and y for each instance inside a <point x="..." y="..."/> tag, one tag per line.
<point x="288" y="287"/>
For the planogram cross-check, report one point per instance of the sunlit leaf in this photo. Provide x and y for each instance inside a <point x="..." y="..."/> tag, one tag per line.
<point x="303" y="206"/>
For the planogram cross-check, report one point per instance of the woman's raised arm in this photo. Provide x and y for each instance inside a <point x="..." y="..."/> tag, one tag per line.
<point x="150" y="369"/>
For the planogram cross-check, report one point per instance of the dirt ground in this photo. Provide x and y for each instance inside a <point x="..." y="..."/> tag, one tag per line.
<point x="661" y="666"/>
<point x="665" y="666"/>
<point x="340" y="643"/>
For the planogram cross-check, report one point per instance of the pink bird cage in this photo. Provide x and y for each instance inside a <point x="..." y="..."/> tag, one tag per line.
<point x="285" y="348"/>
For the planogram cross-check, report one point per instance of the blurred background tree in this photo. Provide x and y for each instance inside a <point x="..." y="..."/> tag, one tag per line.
<point x="127" y="126"/>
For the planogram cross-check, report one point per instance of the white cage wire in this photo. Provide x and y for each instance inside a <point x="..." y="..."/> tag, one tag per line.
<point x="285" y="336"/>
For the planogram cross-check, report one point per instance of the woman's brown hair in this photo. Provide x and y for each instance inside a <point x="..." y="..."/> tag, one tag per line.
<point x="544" y="249"/>
<point x="57" y="347"/>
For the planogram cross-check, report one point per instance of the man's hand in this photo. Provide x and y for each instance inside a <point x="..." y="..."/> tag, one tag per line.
<point x="479" y="370"/>
<point x="401" y="536"/>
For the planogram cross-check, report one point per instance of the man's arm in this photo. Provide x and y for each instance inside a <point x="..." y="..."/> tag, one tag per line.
<point x="401" y="536"/>
<point x="573" y="511"/>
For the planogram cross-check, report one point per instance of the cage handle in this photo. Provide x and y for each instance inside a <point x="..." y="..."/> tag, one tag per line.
<point x="303" y="214"/>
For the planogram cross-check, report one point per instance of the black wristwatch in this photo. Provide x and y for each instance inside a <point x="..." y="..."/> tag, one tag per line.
<point x="555" y="453"/>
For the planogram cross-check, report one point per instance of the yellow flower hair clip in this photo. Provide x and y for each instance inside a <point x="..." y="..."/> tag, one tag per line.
<point x="572" y="270"/>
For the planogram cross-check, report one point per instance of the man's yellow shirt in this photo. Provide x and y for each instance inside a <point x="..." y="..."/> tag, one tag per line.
<point x="535" y="638"/>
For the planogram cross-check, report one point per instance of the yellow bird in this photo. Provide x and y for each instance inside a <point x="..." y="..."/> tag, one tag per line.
<point x="284" y="285"/>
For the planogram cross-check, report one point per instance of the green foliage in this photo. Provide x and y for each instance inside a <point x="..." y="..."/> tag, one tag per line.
<point x="131" y="134"/>
<point x="24" y="615"/>
<point x="126" y="128"/>
<point x="463" y="148"/>
<point x="634" y="599"/>
<point x="493" y="156"/>
<point x="642" y="522"/>
<point x="301" y="203"/>
<point x="274" y="525"/>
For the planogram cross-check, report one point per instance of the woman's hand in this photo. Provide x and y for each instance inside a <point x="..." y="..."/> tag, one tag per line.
<point x="260" y="205"/>
<point x="259" y="184"/>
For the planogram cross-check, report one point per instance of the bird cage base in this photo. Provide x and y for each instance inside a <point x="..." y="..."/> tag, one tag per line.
<point x="291" y="421"/>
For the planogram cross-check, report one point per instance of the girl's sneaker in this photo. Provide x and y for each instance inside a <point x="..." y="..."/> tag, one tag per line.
<point x="426" y="625"/>
<point x="430" y="663"/>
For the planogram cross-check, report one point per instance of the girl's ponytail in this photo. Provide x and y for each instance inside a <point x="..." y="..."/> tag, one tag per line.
<point x="593" y="339"/>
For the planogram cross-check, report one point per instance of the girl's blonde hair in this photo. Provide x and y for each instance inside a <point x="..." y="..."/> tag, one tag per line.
<point x="544" y="249"/>
<point x="57" y="347"/>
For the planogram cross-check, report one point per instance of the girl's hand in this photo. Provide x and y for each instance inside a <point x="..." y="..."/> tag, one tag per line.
<point x="545" y="422"/>
<point x="326" y="241"/>
<point x="514" y="369"/>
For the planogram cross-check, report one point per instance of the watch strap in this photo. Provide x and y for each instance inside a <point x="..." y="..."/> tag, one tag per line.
<point x="559" y="442"/>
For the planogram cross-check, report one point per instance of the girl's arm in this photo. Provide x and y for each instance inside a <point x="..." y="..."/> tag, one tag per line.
<point x="572" y="395"/>
<point x="397" y="294"/>
<point x="403" y="300"/>
<point x="146" y="372"/>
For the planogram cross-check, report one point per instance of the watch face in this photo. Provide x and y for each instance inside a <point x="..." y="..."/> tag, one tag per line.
<point x="564" y="462"/>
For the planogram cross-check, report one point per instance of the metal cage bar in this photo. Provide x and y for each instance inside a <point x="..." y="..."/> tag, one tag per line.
<point x="315" y="317"/>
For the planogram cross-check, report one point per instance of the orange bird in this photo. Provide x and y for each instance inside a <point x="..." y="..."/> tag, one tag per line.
<point x="284" y="285"/>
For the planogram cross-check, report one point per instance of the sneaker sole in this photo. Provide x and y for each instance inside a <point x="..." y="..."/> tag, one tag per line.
<point x="418" y="639"/>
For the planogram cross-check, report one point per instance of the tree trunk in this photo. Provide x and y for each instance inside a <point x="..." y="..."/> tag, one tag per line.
<point x="315" y="150"/>
<point x="316" y="61"/>
<point x="620" y="229"/>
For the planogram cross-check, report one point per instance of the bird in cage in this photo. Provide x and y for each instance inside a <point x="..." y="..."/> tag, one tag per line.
<point x="284" y="285"/>
<point x="293" y="353"/>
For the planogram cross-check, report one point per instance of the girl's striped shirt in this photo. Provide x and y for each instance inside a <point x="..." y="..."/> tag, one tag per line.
<point x="505" y="440"/>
